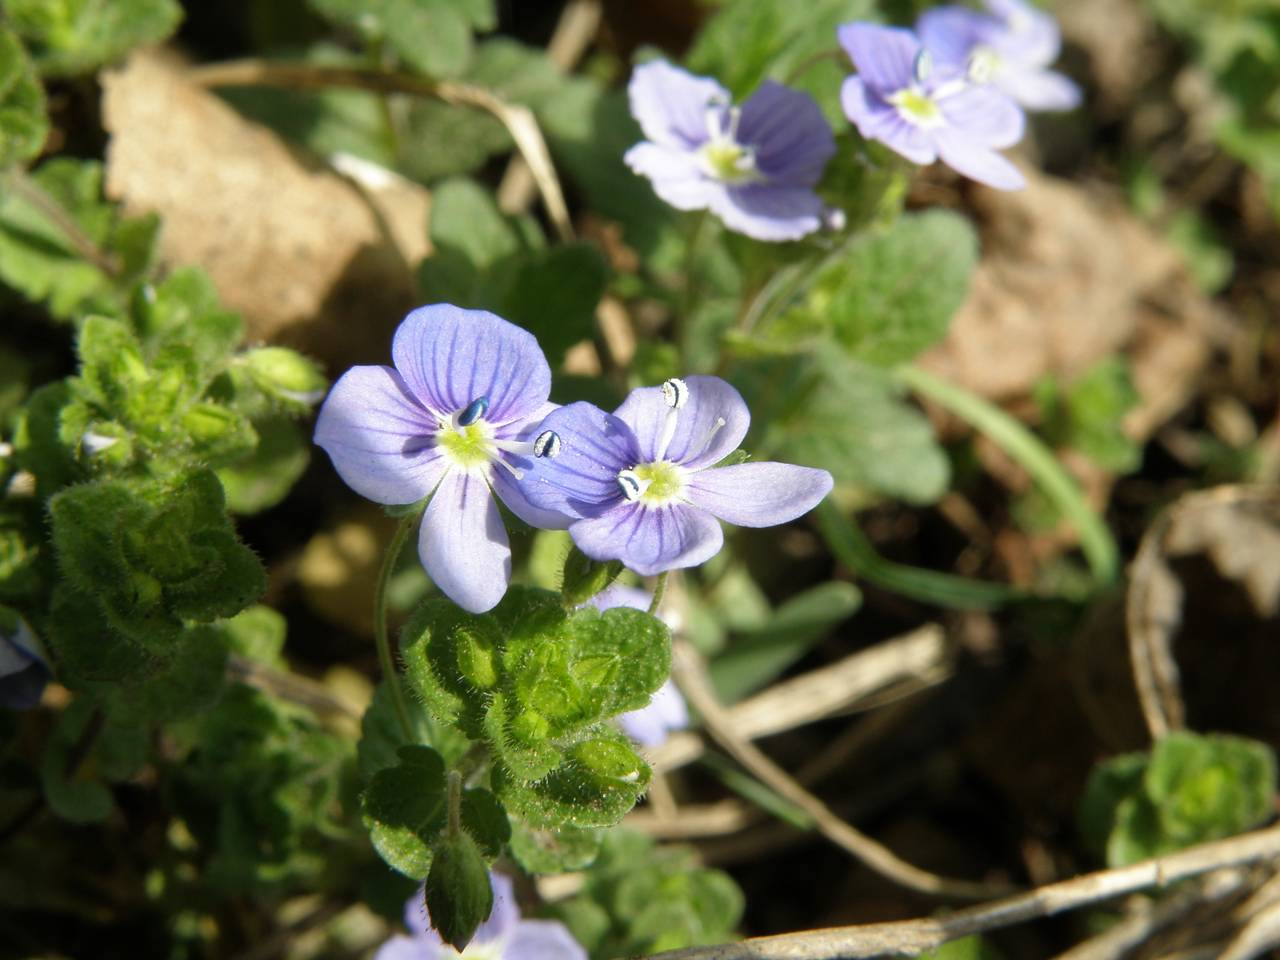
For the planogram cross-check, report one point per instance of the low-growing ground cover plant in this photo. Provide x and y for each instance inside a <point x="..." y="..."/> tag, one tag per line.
<point x="775" y="498"/>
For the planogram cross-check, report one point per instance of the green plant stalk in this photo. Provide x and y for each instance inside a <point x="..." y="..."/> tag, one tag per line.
<point x="389" y="672"/>
<point x="1031" y="453"/>
<point x="851" y="547"/>
<point x="659" y="590"/>
<point x="454" y="799"/>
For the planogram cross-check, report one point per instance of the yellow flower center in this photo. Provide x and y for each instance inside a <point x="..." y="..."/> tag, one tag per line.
<point x="916" y="107"/>
<point x="469" y="446"/>
<point x="665" y="482"/>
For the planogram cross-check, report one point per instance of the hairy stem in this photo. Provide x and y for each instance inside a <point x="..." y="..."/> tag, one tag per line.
<point x="659" y="590"/>
<point x="1029" y="452"/>
<point x="389" y="673"/>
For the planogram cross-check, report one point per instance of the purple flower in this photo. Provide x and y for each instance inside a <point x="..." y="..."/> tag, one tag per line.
<point x="666" y="711"/>
<point x="504" y="936"/>
<point x="639" y="484"/>
<point x="454" y="420"/>
<point x="1012" y="47"/>
<point x="923" y="113"/>
<point x="24" y="666"/>
<point x="753" y="166"/>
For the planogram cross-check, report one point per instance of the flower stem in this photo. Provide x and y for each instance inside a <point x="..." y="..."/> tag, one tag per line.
<point x="1030" y="452"/>
<point x="659" y="589"/>
<point x="389" y="672"/>
<point x="454" y="783"/>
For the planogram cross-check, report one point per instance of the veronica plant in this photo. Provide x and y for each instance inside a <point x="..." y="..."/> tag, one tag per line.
<point x="753" y="166"/>
<point x="1011" y="46"/>
<point x="24" y="665"/>
<point x="928" y="111"/>
<point x="454" y="420"/>
<point x="638" y="482"/>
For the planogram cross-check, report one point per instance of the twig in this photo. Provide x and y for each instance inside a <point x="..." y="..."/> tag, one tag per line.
<point x="922" y="656"/>
<point x="288" y="686"/>
<point x="519" y="120"/>
<point x="25" y="187"/>
<point x="690" y="675"/>
<point x="574" y="32"/>
<point x="909" y="937"/>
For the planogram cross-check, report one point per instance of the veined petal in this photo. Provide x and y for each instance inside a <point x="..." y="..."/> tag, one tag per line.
<point x="985" y="116"/>
<point x="883" y="56"/>
<point x="648" y="539"/>
<point x="511" y="492"/>
<point x="758" y="494"/>
<point x="583" y="480"/>
<point x="978" y="162"/>
<point x="878" y="120"/>
<point x="696" y="441"/>
<point x="463" y="543"/>
<point x="770" y="212"/>
<point x="449" y="356"/>
<point x="405" y="948"/>
<point x="1039" y="89"/>
<point x="381" y="440"/>
<point x="791" y="137"/>
<point x="1031" y="36"/>
<point x="543" y="940"/>
<point x="670" y="104"/>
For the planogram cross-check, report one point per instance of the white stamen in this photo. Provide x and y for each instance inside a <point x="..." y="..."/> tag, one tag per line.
<point x="706" y="440"/>
<point x="631" y="485"/>
<point x="921" y="67"/>
<point x="518" y="474"/>
<point x="675" y="392"/>
<point x="547" y="444"/>
<point x="521" y="448"/>
<point x="981" y="66"/>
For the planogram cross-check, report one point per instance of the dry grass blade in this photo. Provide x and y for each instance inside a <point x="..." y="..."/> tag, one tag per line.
<point x="691" y="676"/>
<point x="910" y="937"/>
<point x="922" y="657"/>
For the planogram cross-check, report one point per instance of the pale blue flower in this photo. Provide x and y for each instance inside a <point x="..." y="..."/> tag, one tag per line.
<point x="454" y="419"/>
<point x="753" y="166"/>
<point x="926" y="111"/>
<point x="1011" y="46"/>
<point x="24" y="666"/>
<point x="642" y="485"/>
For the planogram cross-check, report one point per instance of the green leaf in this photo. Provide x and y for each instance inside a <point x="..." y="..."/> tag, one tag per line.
<point x="583" y="577"/>
<point x="557" y="850"/>
<point x="76" y="798"/>
<point x="264" y="477"/>
<point x="966" y="948"/>
<point x="431" y="36"/>
<point x="1109" y="785"/>
<point x="184" y="311"/>
<point x="465" y="218"/>
<point x="756" y="657"/>
<point x="458" y="894"/>
<point x="1088" y="414"/>
<point x="23" y="121"/>
<point x="435" y="645"/>
<point x="23" y="556"/>
<point x="293" y="381"/>
<point x="599" y="782"/>
<point x="485" y="820"/>
<point x="554" y="294"/>
<point x="381" y="735"/>
<point x="190" y="682"/>
<point x="71" y="37"/>
<point x="38" y="260"/>
<point x="894" y="292"/>
<point x="404" y="807"/>
<point x="850" y="419"/>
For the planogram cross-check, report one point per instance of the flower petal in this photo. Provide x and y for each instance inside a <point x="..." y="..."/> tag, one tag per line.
<point x="405" y="948"/>
<point x="977" y="162"/>
<point x="583" y="480"/>
<point x="449" y="356"/>
<point x="652" y="724"/>
<point x="670" y="104"/>
<point x="884" y="56"/>
<point x="543" y="940"/>
<point x="1039" y="89"/>
<point x="1031" y="35"/>
<point x="878" y="120"/>
<point x="693" y="444"/>
<point x="675" y="175"/>
<point x="381" y="440"/>
<point x="984" y="116"/>
<point x="650" y="540"/>
<point x="791" y="137"/>
<point x="504" y="918"/>
<point x="463" y="543"/>
<point x="950" y="33"/>
<point x="758" y="494"/>
<point x="768" y="212"/>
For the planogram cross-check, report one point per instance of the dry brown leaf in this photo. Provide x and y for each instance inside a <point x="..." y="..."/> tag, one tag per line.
<point x="310" y="258"/>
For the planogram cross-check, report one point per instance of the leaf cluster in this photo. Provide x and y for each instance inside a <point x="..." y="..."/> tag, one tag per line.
<point x="1189" y="789"/>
